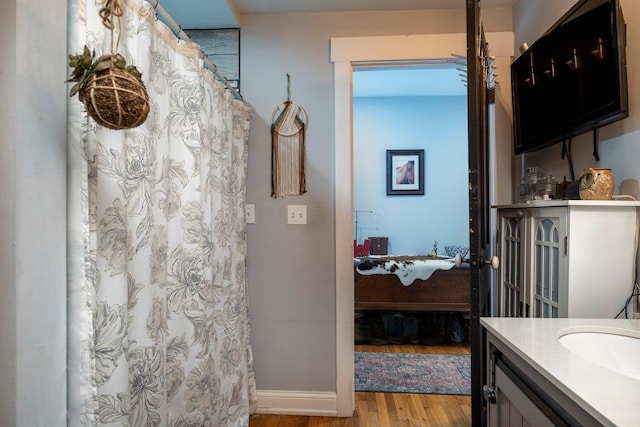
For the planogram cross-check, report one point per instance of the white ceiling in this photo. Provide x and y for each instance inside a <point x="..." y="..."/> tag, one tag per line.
<point x="436" y="80"/>
<point x="404" y="81"/>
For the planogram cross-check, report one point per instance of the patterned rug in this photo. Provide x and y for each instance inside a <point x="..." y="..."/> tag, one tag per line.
<point x="413" y="373"/>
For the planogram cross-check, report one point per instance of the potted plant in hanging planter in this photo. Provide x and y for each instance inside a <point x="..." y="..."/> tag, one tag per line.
<point x="112" y="92"/>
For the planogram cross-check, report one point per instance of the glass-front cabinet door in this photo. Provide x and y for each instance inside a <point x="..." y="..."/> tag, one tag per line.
<point x="566" y="258"/>
<point x="548" y="262"/>
<point x="511" y="286"/>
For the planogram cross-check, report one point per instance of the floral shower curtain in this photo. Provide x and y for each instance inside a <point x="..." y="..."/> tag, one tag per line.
<point x="158" y="316"/>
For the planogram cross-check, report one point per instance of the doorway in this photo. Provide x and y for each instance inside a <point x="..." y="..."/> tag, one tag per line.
<point x="417" y="107"/>
<point x="347" y="53"/>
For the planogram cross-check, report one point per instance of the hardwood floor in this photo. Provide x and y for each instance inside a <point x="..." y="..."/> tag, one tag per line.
<point x="417" y="348"/>
<point x="390" y="409"/>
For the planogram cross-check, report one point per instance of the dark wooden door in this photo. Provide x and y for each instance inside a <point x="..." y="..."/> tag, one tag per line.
<point x="479" y="241"/>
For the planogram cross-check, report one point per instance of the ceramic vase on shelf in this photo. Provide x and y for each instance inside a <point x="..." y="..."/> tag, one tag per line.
<point x="597" y="184"/>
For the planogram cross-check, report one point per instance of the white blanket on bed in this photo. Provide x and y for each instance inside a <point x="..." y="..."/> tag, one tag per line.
<point x="408" y="272"/>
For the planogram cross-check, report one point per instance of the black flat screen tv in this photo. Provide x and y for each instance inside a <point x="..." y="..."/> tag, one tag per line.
<point x="571" y="80"/>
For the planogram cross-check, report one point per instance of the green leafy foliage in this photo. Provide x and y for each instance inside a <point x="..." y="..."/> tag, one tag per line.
<point x="85" y="64"/>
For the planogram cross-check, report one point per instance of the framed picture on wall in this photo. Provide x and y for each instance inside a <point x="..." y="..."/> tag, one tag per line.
<point x="405" y="172"/>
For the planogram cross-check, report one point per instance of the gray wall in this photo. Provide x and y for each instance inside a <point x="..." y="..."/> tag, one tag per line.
<point x="7" y="213"/>
<point x="291" y="269"/>
<point x="32" y="212"/>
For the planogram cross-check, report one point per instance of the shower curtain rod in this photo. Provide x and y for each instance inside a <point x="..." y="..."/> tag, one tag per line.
<point x="179" y="32"/>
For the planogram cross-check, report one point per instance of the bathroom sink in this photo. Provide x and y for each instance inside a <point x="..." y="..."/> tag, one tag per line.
<point x="614" y="349"/>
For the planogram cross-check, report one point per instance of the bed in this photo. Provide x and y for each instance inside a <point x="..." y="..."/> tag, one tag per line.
<point x="412" y="284"/>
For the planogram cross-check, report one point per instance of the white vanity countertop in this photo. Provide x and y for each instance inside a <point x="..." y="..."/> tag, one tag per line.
<point x="570" y="203"/>
<point x="611" y="398"/>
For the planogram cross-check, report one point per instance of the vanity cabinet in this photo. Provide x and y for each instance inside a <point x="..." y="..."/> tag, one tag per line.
<point x="520" y="392"/>
<point x="566" y="258"/>
<point x="516" y="406"/>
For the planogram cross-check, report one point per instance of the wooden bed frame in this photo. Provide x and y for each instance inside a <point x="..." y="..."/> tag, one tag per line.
<point x="444" y="291"/>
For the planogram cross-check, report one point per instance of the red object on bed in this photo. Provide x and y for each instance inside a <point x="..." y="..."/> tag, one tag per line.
<point x="361" y="250"/>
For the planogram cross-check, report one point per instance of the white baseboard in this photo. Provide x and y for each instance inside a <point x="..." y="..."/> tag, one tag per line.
<point x="306" y="403"/>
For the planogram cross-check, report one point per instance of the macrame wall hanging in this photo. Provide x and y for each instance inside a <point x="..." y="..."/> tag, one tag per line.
<point x="289" y="123"/>
<point x="112" y="92"/>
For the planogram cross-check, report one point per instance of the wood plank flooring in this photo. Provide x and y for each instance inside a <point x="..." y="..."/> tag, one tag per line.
<point x="390" y="409"/>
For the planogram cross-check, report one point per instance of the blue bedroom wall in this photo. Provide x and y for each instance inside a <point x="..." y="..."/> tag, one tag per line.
<point x="412" y="223"/>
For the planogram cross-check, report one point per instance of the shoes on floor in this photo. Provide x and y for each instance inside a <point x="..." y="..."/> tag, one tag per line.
<point x="370" y="330"/>
<point x="381" y="329"/>
<point x="410" y="327"/>
<point x="403" y="330"/>
<point x="436" y="340"/>
<point x="377" y="341"/>
<point x="398" y="339"/>
<point x="394" y="330"/>
<point x="456" y="335"/>
<point x="394" y="325"/>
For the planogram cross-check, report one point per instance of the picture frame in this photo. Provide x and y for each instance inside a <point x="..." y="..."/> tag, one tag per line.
<point x="405" y="172"/>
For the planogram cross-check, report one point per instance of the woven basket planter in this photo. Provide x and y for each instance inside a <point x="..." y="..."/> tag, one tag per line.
<point x="115" y="99"/>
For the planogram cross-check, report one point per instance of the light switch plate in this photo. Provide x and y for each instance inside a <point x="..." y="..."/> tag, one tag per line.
<point x="250" y="214"/>
<point x="297" y="214"/>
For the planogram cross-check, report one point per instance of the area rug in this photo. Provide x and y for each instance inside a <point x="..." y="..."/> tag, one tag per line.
<point x="413" y="373"/>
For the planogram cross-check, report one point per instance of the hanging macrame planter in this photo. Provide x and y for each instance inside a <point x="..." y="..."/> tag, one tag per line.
<point x="112" y="92"/>
<point x="289" y="123"/>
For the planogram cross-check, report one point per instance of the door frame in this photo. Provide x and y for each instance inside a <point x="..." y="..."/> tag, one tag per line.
<point x="346" y="54"/>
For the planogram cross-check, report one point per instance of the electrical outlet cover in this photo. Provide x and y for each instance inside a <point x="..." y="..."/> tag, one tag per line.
<point x="297" y="214"/>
